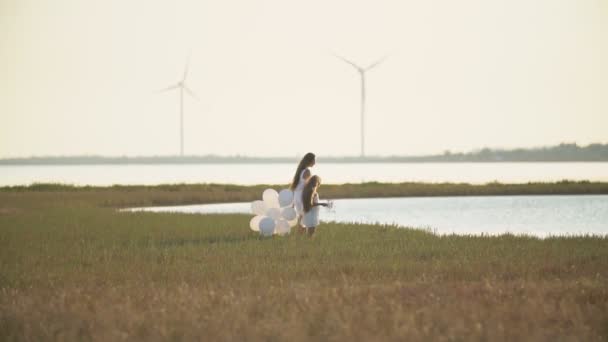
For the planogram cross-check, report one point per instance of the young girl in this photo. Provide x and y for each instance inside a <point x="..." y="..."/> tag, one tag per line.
<point x="310" y="201"/>
<point x="299" y="179"/>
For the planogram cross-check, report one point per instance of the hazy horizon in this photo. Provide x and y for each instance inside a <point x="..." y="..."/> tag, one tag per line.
<point x="562" y="151"/>
<point x="81" y="77"/>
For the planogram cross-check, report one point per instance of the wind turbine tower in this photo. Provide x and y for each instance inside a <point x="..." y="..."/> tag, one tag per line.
<point x="362" y="71"/>
<point x="181" y="85"/>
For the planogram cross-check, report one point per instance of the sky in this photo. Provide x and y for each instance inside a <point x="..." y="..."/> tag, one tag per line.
<point x="82" y="77"/>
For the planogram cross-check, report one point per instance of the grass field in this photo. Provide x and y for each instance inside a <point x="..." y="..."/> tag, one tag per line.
<point x="74" y="268"/>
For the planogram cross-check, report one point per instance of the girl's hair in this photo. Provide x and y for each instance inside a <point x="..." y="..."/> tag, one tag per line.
<point x="308" y="192"/>
<point x="306" y="161"/>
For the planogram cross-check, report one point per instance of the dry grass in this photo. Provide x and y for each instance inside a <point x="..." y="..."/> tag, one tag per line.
<point x="486" y="310"/>
<point x="72" y="269"/>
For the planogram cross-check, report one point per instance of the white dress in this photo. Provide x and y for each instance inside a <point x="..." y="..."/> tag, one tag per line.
<point x="297" y="194"/>
<point x="311" y="218"/>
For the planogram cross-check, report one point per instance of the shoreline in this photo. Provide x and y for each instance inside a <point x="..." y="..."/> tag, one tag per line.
<point x="291" y="162"/>
<point x="120" y="196"/>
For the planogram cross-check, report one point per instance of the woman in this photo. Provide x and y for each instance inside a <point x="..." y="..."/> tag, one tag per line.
<point x="299" y="180"/>
<point x="310" y="201"/>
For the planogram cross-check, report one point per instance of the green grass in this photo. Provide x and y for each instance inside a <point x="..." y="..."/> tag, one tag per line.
<point x="140" y="195"/>
<point x="74" y="268"/>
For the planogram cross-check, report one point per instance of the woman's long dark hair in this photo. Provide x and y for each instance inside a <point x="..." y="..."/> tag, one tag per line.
<point x="306" y="161"/>
<point x="308" y="191"/>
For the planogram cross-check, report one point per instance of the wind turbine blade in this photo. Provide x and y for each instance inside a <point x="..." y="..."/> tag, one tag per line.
<point x="190" y="92"/>
<point x="376" y="63"/>
<point x="187" y="67"/>
<point x="349" y="62"/>
<point x="168" y="88"/>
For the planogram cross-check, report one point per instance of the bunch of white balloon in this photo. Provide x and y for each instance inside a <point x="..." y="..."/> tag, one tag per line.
<point x="274" y="214"/>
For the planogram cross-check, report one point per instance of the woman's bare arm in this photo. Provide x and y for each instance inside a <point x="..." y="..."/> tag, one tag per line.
<point x="306" y="174"/>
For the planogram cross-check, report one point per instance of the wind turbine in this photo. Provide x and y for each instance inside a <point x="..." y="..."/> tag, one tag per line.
<point x="362" y="71"/>
<point x="181" y="85"/>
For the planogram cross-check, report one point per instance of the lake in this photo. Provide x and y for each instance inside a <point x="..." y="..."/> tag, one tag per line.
<point x="331" y="173"/>
<point x="540" y="216"/>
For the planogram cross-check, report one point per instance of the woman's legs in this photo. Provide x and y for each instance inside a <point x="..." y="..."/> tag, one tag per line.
<point x="311" y="231"/>
<point x="301" y="229"/>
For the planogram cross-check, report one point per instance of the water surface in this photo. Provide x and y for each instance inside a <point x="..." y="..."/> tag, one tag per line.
<point x="336" y="173"/>
<point x="533" y="215"/>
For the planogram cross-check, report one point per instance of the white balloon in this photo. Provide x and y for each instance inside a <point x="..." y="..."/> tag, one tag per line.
<point x="258" y="207"/>
<point x="282" y="227"/>
<point x="274" y="213"/>
<point x="288" y="213"/>
<point x="267" y="226"/>
<point x="270" y="195"/>
<point x="285" y="197"/>
<point x="254" y="224"/>
<point x="271" y="198"/>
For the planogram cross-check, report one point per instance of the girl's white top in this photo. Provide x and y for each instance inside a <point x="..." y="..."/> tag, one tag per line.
<point x="297" y="194"/>
<point x="311" y="218"/>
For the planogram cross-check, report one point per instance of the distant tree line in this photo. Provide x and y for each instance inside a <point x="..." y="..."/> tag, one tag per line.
<point x="559" y="153"/>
